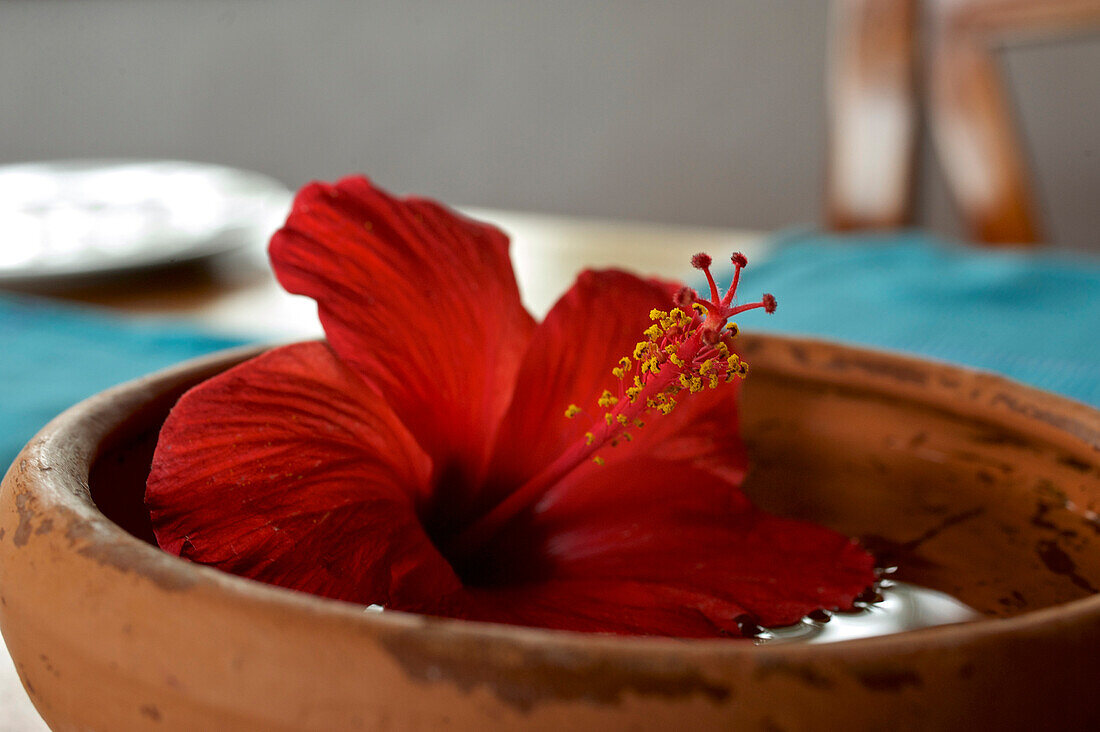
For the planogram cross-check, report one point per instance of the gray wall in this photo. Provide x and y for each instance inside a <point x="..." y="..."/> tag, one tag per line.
<point x="702" y="111"/>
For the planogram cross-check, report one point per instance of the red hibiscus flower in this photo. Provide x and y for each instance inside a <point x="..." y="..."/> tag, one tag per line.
<point x="443" y="453"/>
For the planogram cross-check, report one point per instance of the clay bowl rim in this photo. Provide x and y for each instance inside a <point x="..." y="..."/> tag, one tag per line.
<point x="60" y="484"/>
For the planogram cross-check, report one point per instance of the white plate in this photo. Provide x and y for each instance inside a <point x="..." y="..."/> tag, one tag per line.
<point x="70" y="218"/>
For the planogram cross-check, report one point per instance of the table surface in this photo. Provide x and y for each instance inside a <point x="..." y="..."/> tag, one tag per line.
<point x="236" y="294"/>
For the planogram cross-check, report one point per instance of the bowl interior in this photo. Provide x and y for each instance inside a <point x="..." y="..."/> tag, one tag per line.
<point x="995" y="510"/>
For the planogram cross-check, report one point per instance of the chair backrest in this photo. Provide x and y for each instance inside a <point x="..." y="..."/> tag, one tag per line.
<point x="876" y="102"/>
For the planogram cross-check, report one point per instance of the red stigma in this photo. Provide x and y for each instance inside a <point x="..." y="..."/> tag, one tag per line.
<point x="720" y="308"/>
<point x="684" y="297"/>
<point x="701" y="260"/>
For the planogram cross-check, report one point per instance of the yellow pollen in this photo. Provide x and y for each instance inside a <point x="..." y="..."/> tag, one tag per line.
<point x="673" y="357"/>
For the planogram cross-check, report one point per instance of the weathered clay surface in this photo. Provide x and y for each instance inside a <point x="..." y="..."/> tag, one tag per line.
<point x="970" y="484"/>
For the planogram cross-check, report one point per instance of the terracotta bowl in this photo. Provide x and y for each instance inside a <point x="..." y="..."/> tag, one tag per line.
<point x="971" y="484"/>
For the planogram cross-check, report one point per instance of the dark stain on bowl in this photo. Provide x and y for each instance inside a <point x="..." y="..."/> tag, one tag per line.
<point x="525" y="679"/>
<point x="804" y="673"/>
<point x="890" y="679"/>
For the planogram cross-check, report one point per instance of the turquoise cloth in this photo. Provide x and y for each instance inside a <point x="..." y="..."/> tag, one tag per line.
<point x="1031" y="316"/>
<point x="53" y="356"/>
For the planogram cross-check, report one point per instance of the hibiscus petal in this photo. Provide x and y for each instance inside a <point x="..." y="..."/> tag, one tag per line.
<point x="626" y="607"/>
<point x="661" y="540"/>
<point x="692" y="578"/>
<point x="569" y="361"/>
<point x="289" y="470"/>
<point x="419" y="301"/>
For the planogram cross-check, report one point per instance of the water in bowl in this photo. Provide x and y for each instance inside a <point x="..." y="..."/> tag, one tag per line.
<point x="888" y="607"/>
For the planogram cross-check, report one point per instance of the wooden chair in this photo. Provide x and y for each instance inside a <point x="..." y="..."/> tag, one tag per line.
<point x="876" y="103"/>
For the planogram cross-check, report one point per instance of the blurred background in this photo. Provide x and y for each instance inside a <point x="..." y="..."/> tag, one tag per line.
<point x="708" y="112"/>
<point x="614" y="133"/>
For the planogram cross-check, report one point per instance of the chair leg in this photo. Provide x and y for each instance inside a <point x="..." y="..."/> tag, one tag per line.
<point x="976" y="140"/>
<point x="872" y="114"/>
